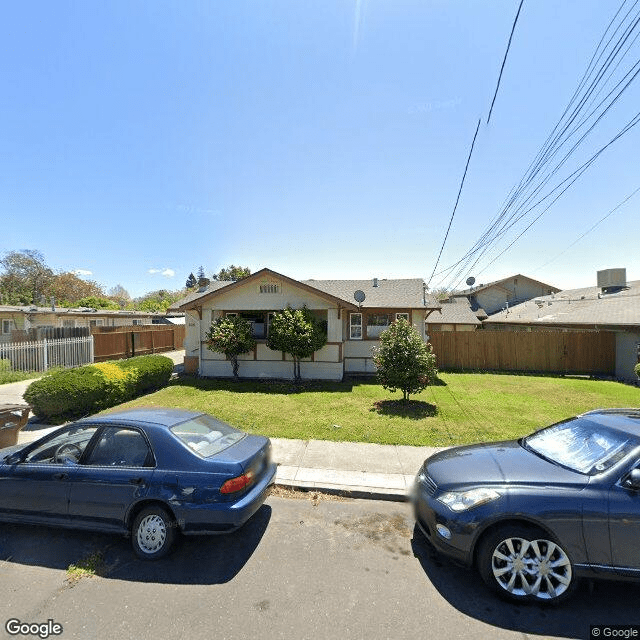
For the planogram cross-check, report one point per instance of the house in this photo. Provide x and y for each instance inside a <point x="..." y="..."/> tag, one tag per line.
<point x="455" y="315"/>
<point x="612" y="305"/>
<point x="487" y="299"/>
<point x="23" y="318"/>
<point x="356" y="313"/>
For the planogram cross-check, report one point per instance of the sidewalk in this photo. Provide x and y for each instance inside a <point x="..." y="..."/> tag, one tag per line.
<point x="355" y="469"/>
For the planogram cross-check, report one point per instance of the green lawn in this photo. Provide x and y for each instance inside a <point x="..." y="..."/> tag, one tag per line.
<point x="462" y="408"/>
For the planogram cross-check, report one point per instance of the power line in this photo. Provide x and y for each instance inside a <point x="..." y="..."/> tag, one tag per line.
<point x="504" y="60"/>
<point x="588" y="231"/>
<point x="457" y="200"/>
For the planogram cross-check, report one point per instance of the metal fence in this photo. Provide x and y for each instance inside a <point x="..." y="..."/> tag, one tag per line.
<point x="42" y="355"/>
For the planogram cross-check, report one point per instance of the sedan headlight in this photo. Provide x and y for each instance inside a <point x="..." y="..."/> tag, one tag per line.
<point x="463" y="500"/>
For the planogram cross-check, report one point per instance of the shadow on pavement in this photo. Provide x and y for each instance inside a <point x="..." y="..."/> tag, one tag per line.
<point x="597" y="602"/>
<point x="194" y="559"/>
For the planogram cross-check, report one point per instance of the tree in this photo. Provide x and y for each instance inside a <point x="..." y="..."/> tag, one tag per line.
<point x="26" y="277"/>
<point x="68" y="289"/>
<point x="157" y="301"/>
<point x="97" y="302"/>
<point x="232" y="273"/>
<point x="191" y="281"/>
<point x="119" y="295"/>
<point x="232" y="336"/>
<point x="296" y="332"/>
<point x="201" y="273"/>
<point x="404" y="360"/>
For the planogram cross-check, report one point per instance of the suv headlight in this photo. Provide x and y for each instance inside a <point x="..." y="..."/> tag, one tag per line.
<point x="463" y="500"/>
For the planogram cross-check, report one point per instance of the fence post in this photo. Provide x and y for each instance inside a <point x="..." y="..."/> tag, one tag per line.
<point x="45" y="354"/>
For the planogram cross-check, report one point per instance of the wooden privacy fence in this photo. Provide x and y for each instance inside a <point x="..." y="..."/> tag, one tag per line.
<point x="554" y="351"/>
<point x="116" y="343"/>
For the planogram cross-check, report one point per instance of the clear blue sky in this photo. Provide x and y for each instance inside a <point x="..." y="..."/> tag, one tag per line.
<point x="322" y="139"/>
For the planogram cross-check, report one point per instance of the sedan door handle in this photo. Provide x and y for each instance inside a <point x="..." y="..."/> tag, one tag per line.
<point x="60" y="476"/>
<point x="136" y="481"/>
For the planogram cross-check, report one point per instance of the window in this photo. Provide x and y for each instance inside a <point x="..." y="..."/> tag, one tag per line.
<point x="6" y="326"/>
<point x="118" y="447"/>
<point x="377" y="323"/>
<point x="65" y="447"/>
<point x="206" y="436"/>
<point x="96" y="323"/>
<point x="269" y="288"/>
<point x="402" y="316"/>
<point x="68" y="323"/>
<point x="230" y="315"/>
<point x="137" y="322"/>
<point x="355" y="326"/>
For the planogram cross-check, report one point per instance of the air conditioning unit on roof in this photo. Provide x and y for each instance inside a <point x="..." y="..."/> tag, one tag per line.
<point x="608" y="278"/>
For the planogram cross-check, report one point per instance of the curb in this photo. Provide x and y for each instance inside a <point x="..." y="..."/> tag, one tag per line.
<point x="345" y="491"/>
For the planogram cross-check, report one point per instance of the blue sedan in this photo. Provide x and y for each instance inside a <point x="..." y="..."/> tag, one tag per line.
<point x="146" y="473"/>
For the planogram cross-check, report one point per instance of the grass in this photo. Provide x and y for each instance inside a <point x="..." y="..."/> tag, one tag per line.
<point x="461" y="408"/>
<point x="17" y="376"/>
<point x="87" y="567"/>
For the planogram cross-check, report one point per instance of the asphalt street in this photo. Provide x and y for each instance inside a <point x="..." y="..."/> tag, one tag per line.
<point x="301" y="568"/>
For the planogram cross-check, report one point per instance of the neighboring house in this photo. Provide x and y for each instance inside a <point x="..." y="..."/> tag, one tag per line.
<point x="23" y="318"/>
<point x="487" y="299"/>
<point x="613" y="305"/>
<point x="455" y="315"/>
<point x="352" y="329"/>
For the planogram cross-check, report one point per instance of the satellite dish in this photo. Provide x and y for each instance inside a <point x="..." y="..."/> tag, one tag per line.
<point x="359" y="296"/>
<point x="471" y="281"/>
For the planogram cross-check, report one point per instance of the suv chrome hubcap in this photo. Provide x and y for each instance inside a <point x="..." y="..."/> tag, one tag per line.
<point x="538" y="568"/>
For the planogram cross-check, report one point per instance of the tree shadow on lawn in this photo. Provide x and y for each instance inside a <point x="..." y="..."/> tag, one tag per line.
<point x="269" y="387"/>
<point x="412" y="409"/>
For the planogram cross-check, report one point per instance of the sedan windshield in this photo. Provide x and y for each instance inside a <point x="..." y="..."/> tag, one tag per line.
<point x="582" y="445"/>
<point x="206" y="436"/>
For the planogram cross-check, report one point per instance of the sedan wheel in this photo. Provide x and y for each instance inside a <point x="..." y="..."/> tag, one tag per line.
<point x="523" y="564"/>
<point x="153" y="533"/>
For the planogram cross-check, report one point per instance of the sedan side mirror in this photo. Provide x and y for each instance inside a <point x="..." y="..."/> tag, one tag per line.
<point x="633" y="480"/>
<point x="14" y="458"/>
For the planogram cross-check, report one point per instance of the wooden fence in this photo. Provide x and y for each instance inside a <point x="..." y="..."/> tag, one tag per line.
<point x="554" y="351"/>
<point x="115" y="343"/>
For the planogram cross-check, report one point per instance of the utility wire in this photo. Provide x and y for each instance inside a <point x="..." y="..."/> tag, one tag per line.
<point x="456" y="204"/>
<point x="504" y="60"/>
<point x="588" y="231"/>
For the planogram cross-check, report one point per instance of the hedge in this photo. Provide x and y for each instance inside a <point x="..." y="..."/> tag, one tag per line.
<point x="85" y="390"/>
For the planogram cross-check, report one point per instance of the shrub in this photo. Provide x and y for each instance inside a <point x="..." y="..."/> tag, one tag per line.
<point x="5" y="365"/>
<point x="232" y="336"/>
<point x="404" y="360"/>
<point x="152" y="372"/>
<point x="637" y="369"/>
<point x="71" y="393"/>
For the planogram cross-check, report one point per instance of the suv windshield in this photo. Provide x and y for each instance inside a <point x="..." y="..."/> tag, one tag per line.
<point x="206" y="436"/>
<point x="582" y="445"/>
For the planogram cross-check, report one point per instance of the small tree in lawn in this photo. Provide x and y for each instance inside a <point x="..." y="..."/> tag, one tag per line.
<point x="230" y="335"/>
<point x="296" y="332"/>
<point x="404" y="360"/>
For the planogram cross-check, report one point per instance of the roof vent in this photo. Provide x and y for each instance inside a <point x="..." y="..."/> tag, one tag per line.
<point x="612" y="280"/>
<point x="375" y="282"/>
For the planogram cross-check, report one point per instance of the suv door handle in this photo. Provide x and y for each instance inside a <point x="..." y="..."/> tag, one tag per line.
<point x="136" y="481"/>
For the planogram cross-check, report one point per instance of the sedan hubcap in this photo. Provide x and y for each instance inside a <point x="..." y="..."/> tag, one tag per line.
<point x="538" y="568"/>
<point x="152" y="532"/>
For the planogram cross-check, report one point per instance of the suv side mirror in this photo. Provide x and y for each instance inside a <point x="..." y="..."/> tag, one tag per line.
<point x="633" y="480"/>
<point x="14" y="458"/>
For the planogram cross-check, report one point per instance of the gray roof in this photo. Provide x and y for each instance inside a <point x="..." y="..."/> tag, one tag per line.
<point x="454" y="311"/>
<point x="397" y="293"/>
<point x="482" y="287"/>
<point x="393" y="294"/>
<point x="74" y="311"/>
<point x="578" y="307"/>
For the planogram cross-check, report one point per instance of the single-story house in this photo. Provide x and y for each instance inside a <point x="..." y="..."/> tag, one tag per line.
<point x="23" y="318"/>
<point x="613" y="305"/>
<point x="455" y="315"/>
<point x="356" y="313"/>
<point x="487" y="299"/>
